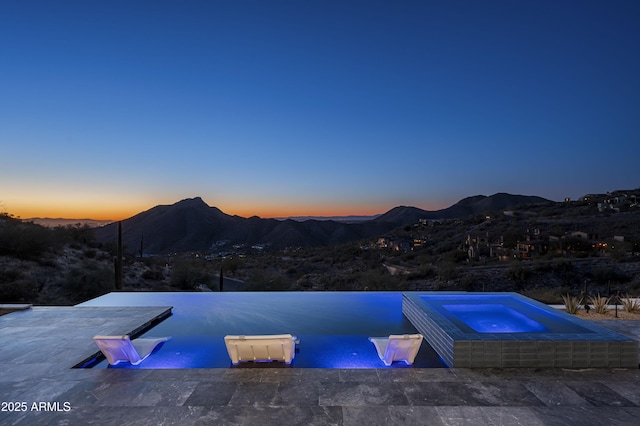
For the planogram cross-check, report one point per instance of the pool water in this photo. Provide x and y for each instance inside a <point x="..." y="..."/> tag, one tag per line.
<point x="333" y="327"/>
<point x="494" y="319"/>
<point x="499" y="313"/>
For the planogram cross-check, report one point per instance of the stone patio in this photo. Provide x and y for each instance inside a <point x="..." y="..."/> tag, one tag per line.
<point x="40" y="345"/>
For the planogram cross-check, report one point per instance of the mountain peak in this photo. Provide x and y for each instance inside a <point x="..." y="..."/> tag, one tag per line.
<point x="191" y="203"/>
<point x="194" y="201"/>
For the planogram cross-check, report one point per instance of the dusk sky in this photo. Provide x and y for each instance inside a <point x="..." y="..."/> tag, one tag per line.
<point x="288" y="108"/>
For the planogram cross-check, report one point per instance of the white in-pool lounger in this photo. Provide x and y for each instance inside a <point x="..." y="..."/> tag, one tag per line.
<point x="121" y="348"/>
<point x="397" y="347"/>
<point x="276" y="347"/>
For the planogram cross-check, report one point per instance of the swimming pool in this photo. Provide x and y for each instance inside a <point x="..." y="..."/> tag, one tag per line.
<point x="333" y="327"/>
<point x="510" y="330"/>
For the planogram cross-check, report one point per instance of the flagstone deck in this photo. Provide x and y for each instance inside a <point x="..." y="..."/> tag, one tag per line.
<point x="39" y="346"/>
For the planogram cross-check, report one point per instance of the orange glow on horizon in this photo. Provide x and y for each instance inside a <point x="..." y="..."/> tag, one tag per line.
<point x="123" y="213"/>
<point x="120" y="211"/>
<point x="55" y="212"/>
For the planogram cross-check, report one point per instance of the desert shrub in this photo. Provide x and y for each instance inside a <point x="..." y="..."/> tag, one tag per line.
<point x="630" y="304"/>
<point x="447" y="271"/>
<point x="153" y="275"/>
<point x="542" y="266"/>
<point x="571" y="303"/>
<point x="469" y="282"/>
<point x="232" y="264"/>
<point x="187" y="275"/>
<point x="408" y="257"/>
<point x="423" y="272"/>
<point x="444" y="243"/>
<point x="604" y="275"/>
<point x="20" y="290"/>
<point x="455" y="256"/>
<point x="263" y="280"/>
<point x="567" y="272"/>
<point x="87" y="281"/>
<point x="561" y="265"/>
<point x="517" y="272"/>
<point x="24" y="240"/>
<point x="74" y="233"/>
<point x="292" y="272"/>
<point x="600" y="304"/>
<point x="379" y="280"/>
<point x="8" y="275"/>
<point x="304" y="283"/>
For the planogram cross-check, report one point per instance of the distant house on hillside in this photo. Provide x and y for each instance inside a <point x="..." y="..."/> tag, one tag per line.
<point x="383" y="242"/>
<point x="594" y="198"/>
<point x="400" y="244"/>
<point x="480" y="247"/>
<point x="419" y="242"/>
<point x="617" y="202"/>
<point x="531" y="248"/>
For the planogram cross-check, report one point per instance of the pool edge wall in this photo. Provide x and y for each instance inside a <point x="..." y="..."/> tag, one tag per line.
<point x="603" y="348"/>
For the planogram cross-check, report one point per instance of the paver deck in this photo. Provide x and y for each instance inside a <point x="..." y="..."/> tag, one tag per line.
<point x="39" y="346"/>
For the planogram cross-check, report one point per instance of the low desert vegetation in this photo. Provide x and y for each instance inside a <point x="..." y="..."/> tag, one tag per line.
<point x="630" y="304"/>
<point x="600" y="303"/>
<point x="572" y="303"/>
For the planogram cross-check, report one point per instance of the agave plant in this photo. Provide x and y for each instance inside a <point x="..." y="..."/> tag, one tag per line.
<point x="571" y="303"/>
<point x="630" y="304"/>
<point x="600" y="304"/>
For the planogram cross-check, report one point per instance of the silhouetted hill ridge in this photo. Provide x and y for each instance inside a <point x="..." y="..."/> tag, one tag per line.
<point x="192" y="225"/>
<point x="466" y="207"/>
<point x="497" y="202"/>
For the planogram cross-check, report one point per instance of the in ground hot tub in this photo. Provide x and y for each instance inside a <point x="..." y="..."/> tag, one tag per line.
<point x="510" y="330"/>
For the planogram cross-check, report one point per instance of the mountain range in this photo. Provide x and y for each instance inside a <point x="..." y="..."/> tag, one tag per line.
<point x="192" y="225"/>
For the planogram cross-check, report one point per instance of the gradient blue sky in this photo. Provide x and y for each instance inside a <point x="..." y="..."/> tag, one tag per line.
<point x="279" y="108"/>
